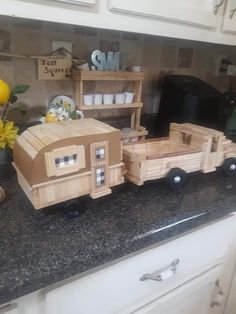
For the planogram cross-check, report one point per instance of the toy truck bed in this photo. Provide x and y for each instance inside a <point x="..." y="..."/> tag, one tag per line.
<point x="152" y="159"/>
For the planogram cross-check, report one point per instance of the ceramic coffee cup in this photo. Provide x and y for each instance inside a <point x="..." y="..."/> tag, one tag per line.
<point x="108" y="99"/>
<point x="120" y="98"/>
<point x="83" y="67"/>
<point x="97" y="100"/>
<point x="129" y="97"/>
<point x="88" y="99"/>
<point x="136" y="68"/>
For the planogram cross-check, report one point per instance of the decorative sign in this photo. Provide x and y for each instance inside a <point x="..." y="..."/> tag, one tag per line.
<point x="103" y="62"/>
<point x="54" y="69"/>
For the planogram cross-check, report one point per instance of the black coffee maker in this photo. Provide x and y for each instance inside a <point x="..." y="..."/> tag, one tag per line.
<point x="185" y="98"/>
<point x="229" y="102"/>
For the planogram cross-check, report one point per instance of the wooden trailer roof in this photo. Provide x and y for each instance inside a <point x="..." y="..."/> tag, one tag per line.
<point x="193" y="128"/>
<point x="35" y="138"/>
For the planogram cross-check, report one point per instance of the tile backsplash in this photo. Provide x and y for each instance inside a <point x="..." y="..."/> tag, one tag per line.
<point x="157" y="56"/>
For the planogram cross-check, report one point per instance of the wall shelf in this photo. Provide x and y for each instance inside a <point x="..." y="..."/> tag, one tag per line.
<point x="112" y="106"/>
<point x="112" y="82"/>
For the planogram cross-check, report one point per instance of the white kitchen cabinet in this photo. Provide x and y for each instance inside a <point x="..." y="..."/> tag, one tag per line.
<point x="231" y="304"/>
<point x="195" y="297"/>
<point x="81" y="2"/>
<point x="189" y="19"/>
<point x="10" y="309"/>
<point x="203" y="13"/>
<point x="194" y="283"/>
<point x="229" y="20"/>
<point x="119" y="288"/>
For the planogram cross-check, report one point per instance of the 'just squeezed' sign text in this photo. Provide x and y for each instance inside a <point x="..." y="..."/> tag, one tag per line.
<point x="54" y="69"/>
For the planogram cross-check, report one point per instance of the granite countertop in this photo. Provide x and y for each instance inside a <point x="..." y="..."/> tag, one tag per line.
<point x="39" y="248"/>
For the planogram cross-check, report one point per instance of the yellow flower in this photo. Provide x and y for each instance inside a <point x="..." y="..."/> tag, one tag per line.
<point x="4" y="93"/>
<point x="8" y="134"/>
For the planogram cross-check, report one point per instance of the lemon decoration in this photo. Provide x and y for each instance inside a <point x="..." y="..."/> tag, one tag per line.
<point x="4" y="92"/>
<point x="50" y="117"/>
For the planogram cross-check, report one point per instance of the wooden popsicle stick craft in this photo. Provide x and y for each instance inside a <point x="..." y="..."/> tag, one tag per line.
<point x="60" y="161"/>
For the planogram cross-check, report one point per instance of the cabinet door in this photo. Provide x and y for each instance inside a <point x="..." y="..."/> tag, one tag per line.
<point x="81" y="2"/>
<point x="10" y="309"/>
<point x="229" y="21"/>
<point x="205" y="13"/>
<point x="195" y="297"/>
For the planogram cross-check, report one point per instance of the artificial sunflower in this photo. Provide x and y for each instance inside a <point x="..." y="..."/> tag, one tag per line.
<point x="8" y="134"/>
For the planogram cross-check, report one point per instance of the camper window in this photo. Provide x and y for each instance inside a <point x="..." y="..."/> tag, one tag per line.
<point x="100" y="153"/>
<point x="65" y="160"/>
<point x="100" y="176"/>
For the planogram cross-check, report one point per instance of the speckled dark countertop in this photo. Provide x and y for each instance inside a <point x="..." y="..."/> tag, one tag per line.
<point x="39" y="248"/>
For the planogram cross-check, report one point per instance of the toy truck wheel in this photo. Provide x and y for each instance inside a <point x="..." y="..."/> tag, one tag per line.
<point x="74" y="209"/>
<point x="176" y="178"/>
<point x="229" y="167"/>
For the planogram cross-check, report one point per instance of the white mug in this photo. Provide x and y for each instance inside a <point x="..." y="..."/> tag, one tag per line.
<point x="120" y="98"/>
<point x="108" y="99"/>
<point x="88" y="99"/>
<point x="97" y="99"/>
<point x="83" y="67"/>
<point x="136" y="68"/>
<point x="129" y="97"/>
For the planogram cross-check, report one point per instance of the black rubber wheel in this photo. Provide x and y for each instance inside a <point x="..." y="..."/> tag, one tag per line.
<point x="176" y="178"/>
<point x="73" y="209"/>
<point x="229" y="167"/>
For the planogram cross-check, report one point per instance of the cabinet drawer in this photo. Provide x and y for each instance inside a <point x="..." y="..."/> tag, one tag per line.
<point x="118" y="289"/>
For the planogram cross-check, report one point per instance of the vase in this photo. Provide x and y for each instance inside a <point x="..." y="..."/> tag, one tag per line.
<point x="5" y="156"/>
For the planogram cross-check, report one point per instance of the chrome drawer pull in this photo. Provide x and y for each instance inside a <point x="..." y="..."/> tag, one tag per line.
<point x="162" y="274"/>
<point x="217" y="6"/>
<point x="231" y="13"/>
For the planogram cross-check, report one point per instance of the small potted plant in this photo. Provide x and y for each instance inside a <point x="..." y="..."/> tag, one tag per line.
<point x="8" y="131"/>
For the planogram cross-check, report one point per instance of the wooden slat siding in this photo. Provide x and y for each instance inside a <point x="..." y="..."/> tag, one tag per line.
<point x="138" y="85"/>
<point x="49" y="133"/>
<point x="134" y="134"/>
<point x="205" y="166"/>
<point x="34" y="141"/>
<point x="172" y="154"/>
<point x="128" y="146"/>
<point x="81" y="89"/>
<point x="203" y="129"/>
<point x="158" y="168"/>
<point x="226" y="141"/>
<point x="220" y="155"/>
<point x="107" y="76"/>
<point x="42" y="136"/>
<point x="45" y="135"/>
<point x="27" y="147"/>
<point x="61" y="129"/>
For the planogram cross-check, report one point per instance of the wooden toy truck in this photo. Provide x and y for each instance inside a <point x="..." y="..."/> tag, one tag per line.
<point x="60" y="161"/>
<point x="188" y="148"/>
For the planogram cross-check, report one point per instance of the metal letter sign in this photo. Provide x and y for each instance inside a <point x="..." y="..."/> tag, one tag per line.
<point x="106" y="63"/>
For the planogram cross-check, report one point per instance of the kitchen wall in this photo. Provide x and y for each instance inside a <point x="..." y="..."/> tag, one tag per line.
<point x="158" y="56"/>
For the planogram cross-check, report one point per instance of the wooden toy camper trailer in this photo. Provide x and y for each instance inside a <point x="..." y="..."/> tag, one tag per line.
<point x="59" y="161"/>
